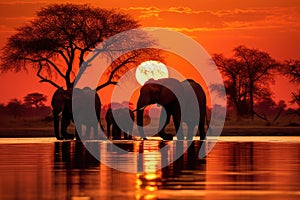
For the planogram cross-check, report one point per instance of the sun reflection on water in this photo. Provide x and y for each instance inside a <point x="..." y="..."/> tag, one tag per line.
<point x="147" y="182"/>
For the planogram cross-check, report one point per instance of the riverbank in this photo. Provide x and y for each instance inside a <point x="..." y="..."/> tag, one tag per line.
<point x="227" y="131"/>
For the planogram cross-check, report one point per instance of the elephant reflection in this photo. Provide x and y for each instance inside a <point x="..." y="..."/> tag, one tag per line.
<point x="169" y="93"/>
<point x="62" y="103"/>
<point x="121" y="120"/>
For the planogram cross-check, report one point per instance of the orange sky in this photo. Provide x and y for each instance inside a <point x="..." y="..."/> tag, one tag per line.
<point x="219" y="26"/>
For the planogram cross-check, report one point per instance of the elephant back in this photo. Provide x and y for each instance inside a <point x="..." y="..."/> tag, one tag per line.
<point x="171" y="83"/>
<point x="194" y="100"/>
<point x="169" y="90"/>
<point x="62" y="99"/>
<point x="83" y="99"/>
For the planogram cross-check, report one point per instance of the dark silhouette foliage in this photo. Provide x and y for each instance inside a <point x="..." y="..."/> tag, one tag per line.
<point x="246" y="76"/>
<point x="56" y="42"/>
<point x="35" y="99"/>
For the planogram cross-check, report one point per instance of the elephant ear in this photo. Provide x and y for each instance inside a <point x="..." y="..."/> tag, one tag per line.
<point x="165" y="96"/>
<point x="170" y="90"/>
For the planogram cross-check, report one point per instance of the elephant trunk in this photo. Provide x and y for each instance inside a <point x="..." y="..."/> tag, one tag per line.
<point x="140" y="119"/>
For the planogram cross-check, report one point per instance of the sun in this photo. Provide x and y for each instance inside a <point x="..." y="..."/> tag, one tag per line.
<point x="151" y="69"/>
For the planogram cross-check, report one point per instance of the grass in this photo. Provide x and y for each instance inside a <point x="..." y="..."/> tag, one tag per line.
<point x="39" y="127"/>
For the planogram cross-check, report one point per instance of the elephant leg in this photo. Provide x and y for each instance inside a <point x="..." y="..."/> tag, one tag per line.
<point x="127" y="135"/>
<point x="108" y="130"/>
<point x="130" y="132"/>
<point x="96" y="134"/>
<point x="176" y="113"/>
<point x="190" y="133"/>
<point x="101" y="126"/>
<point x="77" y="134"/>
<point x="56" y="125"/>
<point x="116" y="132"/>
<point x="88" y="130"/>
<point x="201" y="124"/>
<point x="201" y="131"/>
<point x="178" y="127"/>
<point x="98" y="112"/>
<point x="65" y="122"/>
<point x="163" y="125"/>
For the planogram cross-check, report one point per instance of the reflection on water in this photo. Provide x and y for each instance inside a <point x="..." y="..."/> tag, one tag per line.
<point x="232" y="170"/>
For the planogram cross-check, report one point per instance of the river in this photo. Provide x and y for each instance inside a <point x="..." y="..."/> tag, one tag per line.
<point x="236" y="168"/>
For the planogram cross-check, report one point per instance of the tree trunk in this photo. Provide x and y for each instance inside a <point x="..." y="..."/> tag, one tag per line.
<point x="140" y="122"/>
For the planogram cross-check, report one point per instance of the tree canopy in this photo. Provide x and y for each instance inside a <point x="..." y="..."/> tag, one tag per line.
<point x="35" y="99"/>
<point x="246" y="76"/>
<point x="55" y="43"/>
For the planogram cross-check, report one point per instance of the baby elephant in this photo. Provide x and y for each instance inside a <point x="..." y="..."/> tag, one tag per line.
<point x="121" y="120"/>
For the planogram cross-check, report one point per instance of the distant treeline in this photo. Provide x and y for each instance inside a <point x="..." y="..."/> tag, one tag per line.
<point x="31" y="106"/>
<point x="247" y="76"/>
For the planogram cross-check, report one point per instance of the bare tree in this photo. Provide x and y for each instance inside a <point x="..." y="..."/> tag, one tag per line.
<point x="35" y="99"/>
<point x="235" y="82"/>
<point x="258" y="66"/>
<point x="247" y="76"/>
<point x="57" y="41"/>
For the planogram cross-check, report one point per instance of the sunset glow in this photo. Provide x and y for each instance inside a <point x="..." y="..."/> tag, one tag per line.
<point x="219" y="26"/>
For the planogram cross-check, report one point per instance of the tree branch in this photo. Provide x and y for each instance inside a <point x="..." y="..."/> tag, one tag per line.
<point x="62" y="55"/>
<point x="54" y="66"/>
<point x="297" y="98"/>
<point x="43" y="79"/>
<point x="106" y="84"/>
<point x="277" y="116"/>
<point x="264" y="71"/>
<point x="46" y="60"/>
<point x="264" y="117"/>
<point x="109" y="81"/>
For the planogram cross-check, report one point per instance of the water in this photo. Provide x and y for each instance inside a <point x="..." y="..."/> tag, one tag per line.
<point x="237" y="168"/>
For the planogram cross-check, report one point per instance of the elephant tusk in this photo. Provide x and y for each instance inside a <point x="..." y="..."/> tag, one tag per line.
<point x="142" y="108"/>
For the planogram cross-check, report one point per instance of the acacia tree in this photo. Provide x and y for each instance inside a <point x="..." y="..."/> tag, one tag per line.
<point x="35" y="99"/>
<point x="247" y="76"/>
<point x="57" y="41"/>
<point x="235" y="82"/>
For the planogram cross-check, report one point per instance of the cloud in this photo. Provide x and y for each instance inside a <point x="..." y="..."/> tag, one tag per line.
<point x="190" y="20"/>
<point x="145" y="12"/>
<point x="180" y="9"/>
<point x="179" y="17"/>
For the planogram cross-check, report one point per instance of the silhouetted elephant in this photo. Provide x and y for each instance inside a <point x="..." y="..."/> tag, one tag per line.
<point x="84" y="112"/>
<point x="120" y="122"/>
<point x="62" y="103"/>
<point x="169" y="92"/>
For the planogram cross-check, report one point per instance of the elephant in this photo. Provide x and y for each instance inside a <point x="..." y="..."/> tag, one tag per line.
<point x="118" y="119"/>
<point x="169" y="92"/>
<point x="82" y="107"/>
<point x="62" y="103"/>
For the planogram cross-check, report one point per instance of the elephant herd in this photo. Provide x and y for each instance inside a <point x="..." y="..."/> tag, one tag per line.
<point x="183" y="101"/>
